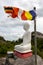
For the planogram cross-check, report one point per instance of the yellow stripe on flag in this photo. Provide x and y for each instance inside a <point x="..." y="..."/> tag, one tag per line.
<point x="28" y="15"/>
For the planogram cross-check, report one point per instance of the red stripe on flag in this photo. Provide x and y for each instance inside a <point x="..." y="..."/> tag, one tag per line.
<point x="23" y="16"/>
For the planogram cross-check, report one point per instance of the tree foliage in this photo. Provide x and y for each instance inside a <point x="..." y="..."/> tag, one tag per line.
<point x="9" y="45"/>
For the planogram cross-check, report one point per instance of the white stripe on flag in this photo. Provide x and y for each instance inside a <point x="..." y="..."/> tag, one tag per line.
<point x="19" y="13"/>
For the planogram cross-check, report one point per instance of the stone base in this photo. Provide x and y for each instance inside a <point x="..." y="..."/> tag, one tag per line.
<point x="29" y="61"/>
<point x="23" y="55"/>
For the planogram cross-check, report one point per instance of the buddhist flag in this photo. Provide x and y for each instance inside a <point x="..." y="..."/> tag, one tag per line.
<point x="22" y="14"/>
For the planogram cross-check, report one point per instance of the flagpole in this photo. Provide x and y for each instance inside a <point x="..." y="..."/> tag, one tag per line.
<point x="35" y="41"/>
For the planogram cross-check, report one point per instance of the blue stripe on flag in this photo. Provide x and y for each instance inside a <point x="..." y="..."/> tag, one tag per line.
<point x="33" y="14"/>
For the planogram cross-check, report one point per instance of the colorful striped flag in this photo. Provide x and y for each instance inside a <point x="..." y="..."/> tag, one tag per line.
<point x="22" y="14"/>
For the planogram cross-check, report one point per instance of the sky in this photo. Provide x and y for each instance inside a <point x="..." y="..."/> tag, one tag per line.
<point x="12" y="29"/>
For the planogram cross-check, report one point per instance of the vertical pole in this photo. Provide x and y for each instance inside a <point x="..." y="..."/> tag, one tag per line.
<point x="35" y="41"/>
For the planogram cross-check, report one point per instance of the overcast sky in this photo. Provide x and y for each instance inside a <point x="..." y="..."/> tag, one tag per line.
<point x="12" y="29"/>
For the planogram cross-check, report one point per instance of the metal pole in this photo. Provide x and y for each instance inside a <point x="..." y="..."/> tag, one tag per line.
<point x="35" y="41"/>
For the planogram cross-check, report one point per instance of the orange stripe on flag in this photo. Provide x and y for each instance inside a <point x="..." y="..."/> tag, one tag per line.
<point x="15" y="12"/>
<point x="8" y="11"/>
<point x="23" y="17"/>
